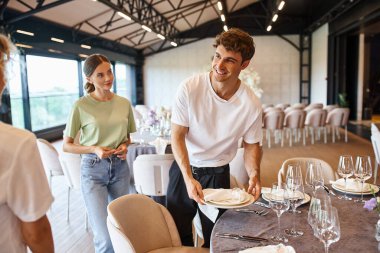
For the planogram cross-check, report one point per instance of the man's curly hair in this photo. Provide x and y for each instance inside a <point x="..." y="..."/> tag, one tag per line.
<point x="238" y="41"/>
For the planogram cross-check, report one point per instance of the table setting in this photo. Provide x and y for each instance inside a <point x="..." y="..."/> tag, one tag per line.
<point x="306" y="215"/>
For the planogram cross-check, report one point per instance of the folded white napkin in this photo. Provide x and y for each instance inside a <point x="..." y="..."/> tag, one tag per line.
<point x="210" y="211"/>
<point x="235" y="195"/>
<point x="160" y="145"/>
<point x="280" y="248"/>
<point x="352" y="185"/>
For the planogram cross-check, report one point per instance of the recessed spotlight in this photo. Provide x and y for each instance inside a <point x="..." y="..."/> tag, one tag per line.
<point x="123" y="15"/>
<point x="83" y="55"/>
<point x="222" y="17"/>
<point x="220" y="6"/>
<point x="225" y="28"/>
<point x="25" y="32"/>
<point x="281" y="5"/>
<point x="23" y="45"/>
<point x="54" y="51"/>
<point x="269" y="28"/>
<point x="160" y="36"/>
<point x="57" y="40"/>
<point x="85" y="46"/>
<point x="146" y="28"/>
<point x="275" y="17"/>
<point x="173" y="44"/>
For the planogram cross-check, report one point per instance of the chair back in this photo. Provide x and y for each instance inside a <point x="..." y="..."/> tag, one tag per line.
<point x="316" y="118"/>
<point x="374" y="129"/>
<point x="238" y="174"/>
<point x="329" y="108"/>
<point x="71" y="168"/>
<point x="295" y="119"/>
<point x="327" y="170"/>
<point x="298" y="106"/>
<point x="313" y="106"/>
<point x="50" y="158"/>
<point x="274" y="119"/>
<point x="138" y="224"/>
<point x="338" y="117"/>
<point x="375" y="139"/>
<point x="151" y="173"/>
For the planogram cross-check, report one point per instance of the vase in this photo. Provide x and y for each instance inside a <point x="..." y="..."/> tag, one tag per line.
<point x="377" y="234"/>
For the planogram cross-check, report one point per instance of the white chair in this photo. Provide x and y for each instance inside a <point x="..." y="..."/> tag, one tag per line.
<point x="313" y="106"/>
<point x="50" y="159"/>
<point x="327" y="170"/>
<point x="274" y="121"/>
<point x="336" y="118"/>
<point x="137" y="224"/>
<point x="294" y="122"/>
<point x="316" y="120"/>
<point x="151" y="173"/>
<point x="375" y="139"/>
<point x="329" y="108"/>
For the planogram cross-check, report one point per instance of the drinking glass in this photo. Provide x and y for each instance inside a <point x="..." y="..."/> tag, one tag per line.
<point x="314" y="176"/>
<point x="345" y="170"/>
<point x="320" y="201"/>
<point x="363" y="172"/>
<point x="295" y="190"/>
<point x="328" y="227"/>
<point x="279" y="202"/>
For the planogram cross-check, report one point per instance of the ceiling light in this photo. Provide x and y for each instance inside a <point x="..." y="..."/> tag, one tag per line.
<point x="220" y="7"/>
<point x="173" y="44"/>
<point x="23" y="45"/>
<point x="85" y="46"/>
<point x="222" y="17"/>
<point x="123" y="15"/>
<point x="57" y="40"/>
<point x="160" y="36"/>
<point x="281" y="5"/>
<point x="54" y="51"/>
<point x="274" y="17"/>
<point x="146" y="28"/>
<point x="83" y="55"/>
<point x="25" y="32"/>
<point x="225" y="28"/>
<point x="269" y="28"/>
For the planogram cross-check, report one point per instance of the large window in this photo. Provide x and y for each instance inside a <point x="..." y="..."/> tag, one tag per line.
<point x="53" y="88"/>
<point x="123" y="80"/>
<point x="15" y="92"/>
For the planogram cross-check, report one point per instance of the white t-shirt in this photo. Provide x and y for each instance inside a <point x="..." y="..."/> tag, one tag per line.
<point x="215" y="125"/>
<point x="24" y="190"/>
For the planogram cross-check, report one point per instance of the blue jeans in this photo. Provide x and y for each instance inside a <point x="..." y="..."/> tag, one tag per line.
<point x="102" y="180"/>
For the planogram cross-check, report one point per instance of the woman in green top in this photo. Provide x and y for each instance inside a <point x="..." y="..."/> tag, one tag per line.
<point x="105" y="121"/>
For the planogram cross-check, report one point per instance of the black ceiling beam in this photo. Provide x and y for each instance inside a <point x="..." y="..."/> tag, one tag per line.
<point x="36" y="10"/>
<point x="3" y="5"/>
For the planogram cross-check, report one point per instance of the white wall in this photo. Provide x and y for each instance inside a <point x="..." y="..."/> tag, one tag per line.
<point x="319" y="65"/>
<point x="275" y="60"/>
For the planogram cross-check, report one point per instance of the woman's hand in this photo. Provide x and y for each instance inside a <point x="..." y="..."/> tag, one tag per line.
<point x="103" y="152"/>
<point x="121" y="151"/>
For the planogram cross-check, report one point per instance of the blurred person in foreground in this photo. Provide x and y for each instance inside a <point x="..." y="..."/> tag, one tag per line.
<point x="212" y="111"/>
<point x="105" y="121"/>
<point x="25" y="196"/>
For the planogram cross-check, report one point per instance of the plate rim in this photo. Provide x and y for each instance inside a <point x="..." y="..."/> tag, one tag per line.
<point x="376" y="190"/>
<point x="305" y="200"/>
<point x="227" y="204"/>
<point x="249" y="202"/>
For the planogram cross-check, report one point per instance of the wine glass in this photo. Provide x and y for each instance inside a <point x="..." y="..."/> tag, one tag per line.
<point x="279" y="202"/>
<point x="314" y="176"/>
<point x="320" y="201"/>
<point x="345" y="170"/>
<point x="328" y="227"/>
<point x="294" y="187"/>
<point x="363" y="172"/>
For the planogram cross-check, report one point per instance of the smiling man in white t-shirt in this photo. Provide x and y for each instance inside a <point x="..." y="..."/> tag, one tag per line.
<point x="212" y="111"/>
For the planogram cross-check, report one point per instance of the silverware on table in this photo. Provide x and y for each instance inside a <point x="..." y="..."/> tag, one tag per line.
<point x="261" y="204"/>
<point x="242" y="237"/>
<point x="328" y="190"/>
<point x="260" y="213"/>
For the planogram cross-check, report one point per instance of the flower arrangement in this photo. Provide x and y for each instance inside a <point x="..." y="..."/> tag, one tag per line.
<point x="252" y="79"/>
<point x="373" y="203"/>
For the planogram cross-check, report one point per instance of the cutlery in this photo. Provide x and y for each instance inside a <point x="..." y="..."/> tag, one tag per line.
<point x="328" y="190"/>
<point x="260" y="213"/>
<point x="242" y="237"/>
<point x="261" y="204"/>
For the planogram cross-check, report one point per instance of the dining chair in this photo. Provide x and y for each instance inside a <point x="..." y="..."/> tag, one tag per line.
<point x="313" y="106"/>
<point x="327" y="170"/>
<point x="329" y="108"/>
<point x="137" y="224"/>
<point x="151" y="173"/>
<point x="50" y="159"/>
<point x="316" y="120"/>
<point x="71" y="168"/>
<point x="336" y="118"/>
<point x="294" y="123"/>
<point x="274" y="122"/>
<point x="375" y="139"/>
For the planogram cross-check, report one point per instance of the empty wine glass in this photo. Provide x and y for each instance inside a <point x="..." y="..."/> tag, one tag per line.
<point x="314" y="176"/>
<point x="294" y="187"/>
<point x="279" y="202"/>
<point x="363" y="172"/>
<point x="345" y="170"/>
<point x="320" y="201"/>
<point x="328" y="227"/>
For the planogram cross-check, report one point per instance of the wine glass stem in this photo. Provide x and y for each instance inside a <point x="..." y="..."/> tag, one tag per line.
<point x="345" y="187"/>
<point x="279" y="224"/>
<point x="294" y="218"/>
<point x="361" y="198"/>
<point x="326" y="248"/>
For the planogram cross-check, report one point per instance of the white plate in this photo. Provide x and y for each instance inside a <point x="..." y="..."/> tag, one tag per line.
<point x="305" y="200"/>
<point x="340" y="189"/>
<point x="247" y="201"/>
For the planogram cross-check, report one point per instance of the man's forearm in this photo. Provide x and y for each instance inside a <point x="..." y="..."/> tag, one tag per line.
<point x="181" y="156"/>
<point x="252" y="159"/>
<point x="37" y="235"/>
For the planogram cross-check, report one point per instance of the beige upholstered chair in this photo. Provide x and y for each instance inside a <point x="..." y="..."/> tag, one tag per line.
<point x="294" y="122"/>
<point x="329" y="108"/>
<point x="316" y="120"/>
<point x="274" y="122"/>
<point x="336" y="118"/>
<point x="50" y="159"/>
<point x="137" y="224"/>
<point x="327" y="170"/>
<point x="313" y="106"/>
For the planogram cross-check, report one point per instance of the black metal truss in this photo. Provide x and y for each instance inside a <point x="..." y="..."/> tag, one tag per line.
<point x="40" y="6"/>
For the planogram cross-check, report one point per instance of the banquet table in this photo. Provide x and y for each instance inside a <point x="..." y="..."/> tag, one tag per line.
<point x="357" y="229"/>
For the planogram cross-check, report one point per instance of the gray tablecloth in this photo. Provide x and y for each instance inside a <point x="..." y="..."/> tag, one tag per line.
<point x="357" y="229"/>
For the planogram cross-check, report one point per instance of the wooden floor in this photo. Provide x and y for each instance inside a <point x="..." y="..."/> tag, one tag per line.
<point x="72" y="237"/>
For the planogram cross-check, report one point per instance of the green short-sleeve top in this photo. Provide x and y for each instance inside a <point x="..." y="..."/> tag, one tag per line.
<point x="105" y="124"/>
